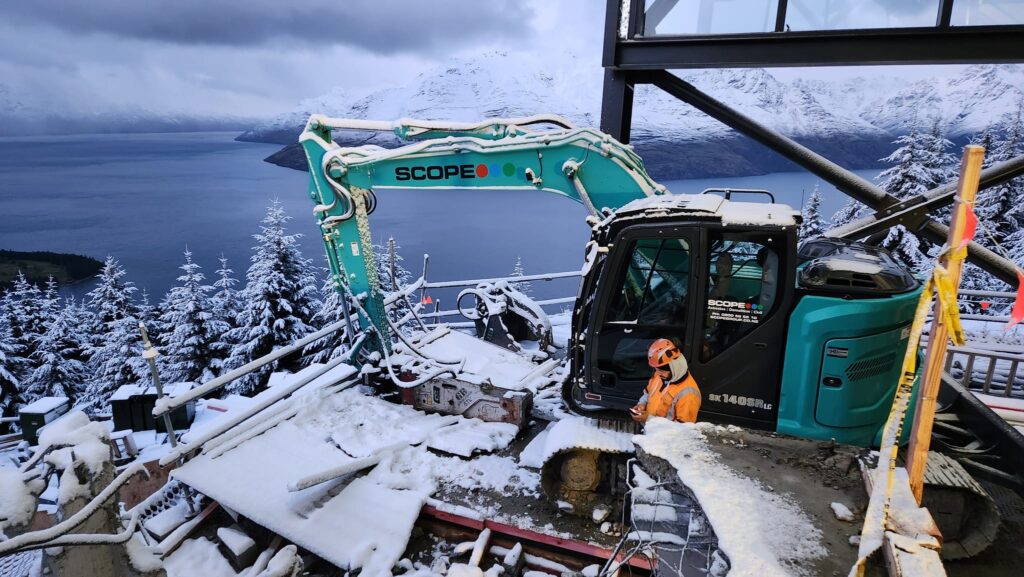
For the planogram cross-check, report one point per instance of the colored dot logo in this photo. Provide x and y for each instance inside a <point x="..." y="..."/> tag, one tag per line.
<point x="481" y="170"/>
<point x="508" y="169"/>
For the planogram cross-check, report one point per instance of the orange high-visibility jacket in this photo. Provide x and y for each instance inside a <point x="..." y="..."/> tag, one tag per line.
<point x="675" y="401"/>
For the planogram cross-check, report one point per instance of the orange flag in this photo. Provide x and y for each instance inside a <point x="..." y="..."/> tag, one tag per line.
<point x="427" y="300"/>
<point x="1017" y="314"/>
<point x="970" y="226"/>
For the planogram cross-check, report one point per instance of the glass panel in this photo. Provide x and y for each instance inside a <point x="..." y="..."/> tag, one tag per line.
<point x="743" y="277"/>
<point x="651" y="304"/>
<point x="668" y="17"/>
<point x="987" y="12"/>
<point x="655" y="284"/>
<point x="850" y="14"/>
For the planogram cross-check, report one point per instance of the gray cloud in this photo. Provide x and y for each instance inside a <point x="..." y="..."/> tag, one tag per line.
<point x="380" y="26"/>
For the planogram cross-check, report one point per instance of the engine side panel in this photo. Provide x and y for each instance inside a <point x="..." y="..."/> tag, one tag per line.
<point x="830" y="340"/>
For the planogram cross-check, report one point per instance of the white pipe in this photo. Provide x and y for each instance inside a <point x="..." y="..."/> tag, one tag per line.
<point x="168" y="404"/>
<point x="278" y="393"/>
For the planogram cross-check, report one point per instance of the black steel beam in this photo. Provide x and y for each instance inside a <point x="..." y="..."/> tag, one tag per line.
<point x="617" y="105"/>
<point x="913" y="212"/>
<point x="929" y="45"/>
<point x="846" y="181"/>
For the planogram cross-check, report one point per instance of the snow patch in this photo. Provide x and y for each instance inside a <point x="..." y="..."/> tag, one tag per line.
<point x="198" y="557"/>
<point x="18" y="504"/>
<point x="842" y="512"/>
<point x="583" y="432"/>
<point x="763" y="533"/>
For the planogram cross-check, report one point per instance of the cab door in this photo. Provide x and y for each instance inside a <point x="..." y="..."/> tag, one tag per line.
<point x="646" y="295"/>
<point x="739" y="335"/>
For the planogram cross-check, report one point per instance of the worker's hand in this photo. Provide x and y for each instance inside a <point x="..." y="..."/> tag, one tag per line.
<point x="638" y="413"/>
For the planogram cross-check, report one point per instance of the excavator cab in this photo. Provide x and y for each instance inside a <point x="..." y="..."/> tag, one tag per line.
<point x="803" y="343"/>
<point x="719" y="290"/>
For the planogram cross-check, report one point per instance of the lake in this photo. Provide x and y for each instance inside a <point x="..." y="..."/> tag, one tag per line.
<point x="143" y="198"/>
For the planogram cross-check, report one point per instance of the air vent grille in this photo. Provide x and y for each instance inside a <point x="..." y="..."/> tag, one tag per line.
<point x="870" y="367"/>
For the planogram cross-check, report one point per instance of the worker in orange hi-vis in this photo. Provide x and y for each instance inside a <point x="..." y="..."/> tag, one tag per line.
<point x="671" y="393"/>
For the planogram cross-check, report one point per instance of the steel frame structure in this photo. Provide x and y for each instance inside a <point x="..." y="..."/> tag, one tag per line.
<point x="631" y="58"/>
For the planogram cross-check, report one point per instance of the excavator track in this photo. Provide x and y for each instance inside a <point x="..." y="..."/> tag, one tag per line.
<point x="585" y="465"/>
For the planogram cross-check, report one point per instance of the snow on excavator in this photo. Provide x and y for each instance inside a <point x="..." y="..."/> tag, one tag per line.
<point x="803" y="341"/>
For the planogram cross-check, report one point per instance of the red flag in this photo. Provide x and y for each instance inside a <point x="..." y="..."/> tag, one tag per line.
<point x="1017" y="314"/>
<point x="427" y="300"/>
<point x="970" y="226"/>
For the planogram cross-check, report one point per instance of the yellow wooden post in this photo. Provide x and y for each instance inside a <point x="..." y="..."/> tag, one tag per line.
<point x="952" y="260"/>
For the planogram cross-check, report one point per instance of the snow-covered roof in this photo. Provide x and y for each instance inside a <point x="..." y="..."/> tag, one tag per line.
<point x="170" y="390"/>
<point x="44" y="405"/>
<point x="710" y="205"/>
<point x="365" y="523"/>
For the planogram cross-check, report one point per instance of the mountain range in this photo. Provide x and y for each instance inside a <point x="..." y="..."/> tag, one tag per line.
<point x="852" y="121"/>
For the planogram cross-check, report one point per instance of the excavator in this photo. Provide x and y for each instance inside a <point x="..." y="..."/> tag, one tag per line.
<point x="805" y="341"/>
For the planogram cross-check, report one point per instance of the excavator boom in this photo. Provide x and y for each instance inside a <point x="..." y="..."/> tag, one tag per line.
<point x="582" y="164"/>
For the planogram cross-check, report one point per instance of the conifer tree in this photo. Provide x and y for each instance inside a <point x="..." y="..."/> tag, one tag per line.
<point x="113" y="297"/>
<point x="812" y="225"/>
<point x="518" y="271"/>
<point x="224" y="304"/>
<point x="225" y="298"/>
<point x="848" y="213"/>
<point x="913" y="172"/>
<point x="51" y="299"/>
<point x="400" y="308"/>
<point x="60" y="353"/>
<point x="117" y="362"/>
<point x="12" y="364"/>
<point x="279" y="300"/>
<point x="26" y="307"/>
<point x="333" y="309"/>
<point x="999" y="207"/>
<point x="189" y="328"/>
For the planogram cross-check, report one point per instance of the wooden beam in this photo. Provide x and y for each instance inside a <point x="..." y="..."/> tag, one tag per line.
<point x="952" y="260"/>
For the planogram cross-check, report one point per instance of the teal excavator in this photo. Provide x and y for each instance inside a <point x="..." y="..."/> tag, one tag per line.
<point x="807" y="341"/>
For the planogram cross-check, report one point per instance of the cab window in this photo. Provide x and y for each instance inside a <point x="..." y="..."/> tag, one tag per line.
<point x="655" y="284"/>
<point x="743" y="273"/>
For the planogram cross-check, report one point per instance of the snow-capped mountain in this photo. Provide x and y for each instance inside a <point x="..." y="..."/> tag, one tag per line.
<point x="852" y="121"/>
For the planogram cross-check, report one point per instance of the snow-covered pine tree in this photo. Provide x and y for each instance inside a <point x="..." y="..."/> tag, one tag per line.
<point x="27" y="307"/>
<point x="913" y="172"/>
<point x="849" y="212"/>
<point x="812" y="225"/>
<point x="332" y="310"/>
<point x="189" y="328"/>
<point x="12" y="364"/>
<point x="940" y="163"/>
<point x="117" y="362"/>
<point x="149" y="314"/>
<point x="517" y="271"/>
<point x="224" y="301"/>
<point x="224" y="304"/>
<point x="60" y="355"/>
<point x="382" y="253"/>
<point x="279" y="300"/>
<point x="999" y="207"/>
<point x="51" y="299"/>
<point x="113" y="297"/>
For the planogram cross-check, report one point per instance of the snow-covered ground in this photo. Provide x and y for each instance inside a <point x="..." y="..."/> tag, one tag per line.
<point x="763" y="533"/>
<point x="365" y="522"/>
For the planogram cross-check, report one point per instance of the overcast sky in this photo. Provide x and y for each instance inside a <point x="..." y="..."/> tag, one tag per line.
<point x="256" y="58"/>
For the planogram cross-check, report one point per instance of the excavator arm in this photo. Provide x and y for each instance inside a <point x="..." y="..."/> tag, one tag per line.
<point x="582" y="164"/>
